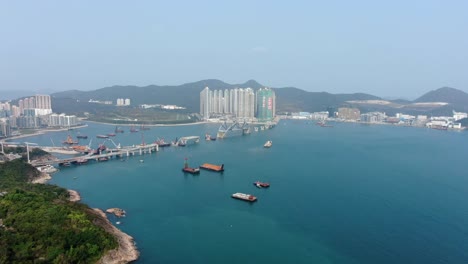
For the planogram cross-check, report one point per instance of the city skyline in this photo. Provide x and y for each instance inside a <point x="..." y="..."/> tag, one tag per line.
<point x="241" y="103"/>
<point x="395" y="49"/>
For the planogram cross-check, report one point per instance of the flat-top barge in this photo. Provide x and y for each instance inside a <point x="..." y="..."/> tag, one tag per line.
<point x="245" y="197"/>
<point x="212" y="167"/>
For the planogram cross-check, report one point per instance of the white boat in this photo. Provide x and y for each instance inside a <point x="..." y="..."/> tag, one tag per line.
<point x="268" y="144"/>
<point x="258" y="185"/>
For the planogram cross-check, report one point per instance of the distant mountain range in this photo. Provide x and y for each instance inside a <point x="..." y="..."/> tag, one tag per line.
<point x="289" y="99"/>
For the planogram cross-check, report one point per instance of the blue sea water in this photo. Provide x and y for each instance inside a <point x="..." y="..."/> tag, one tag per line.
<point x="344" y="194"/>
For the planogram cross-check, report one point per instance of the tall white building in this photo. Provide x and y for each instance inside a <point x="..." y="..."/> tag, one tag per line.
<point x="238" y="102"/>
<point x="205" y="103"/>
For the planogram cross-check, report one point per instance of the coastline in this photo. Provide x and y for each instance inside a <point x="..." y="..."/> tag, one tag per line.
<point x="126" y="251"/>
<point x="42" y="179"/>
<point x="152" y="125"/>
<point x="40" y="132"/>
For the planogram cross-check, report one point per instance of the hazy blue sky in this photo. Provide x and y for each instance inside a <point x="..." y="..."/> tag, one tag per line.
<point x="397" y="48"/>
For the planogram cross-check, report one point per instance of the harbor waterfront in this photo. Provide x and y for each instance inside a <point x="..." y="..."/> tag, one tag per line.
<point x="350" y="193"/>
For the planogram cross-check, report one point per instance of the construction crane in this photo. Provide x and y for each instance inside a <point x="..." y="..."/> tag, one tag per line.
<point x="116" y="146"/>
<point x="27" y="148"/>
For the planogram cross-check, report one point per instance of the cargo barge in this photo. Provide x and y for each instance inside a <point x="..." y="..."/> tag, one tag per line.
<point x="212" y="167"/>
<point x="245" y="197"/>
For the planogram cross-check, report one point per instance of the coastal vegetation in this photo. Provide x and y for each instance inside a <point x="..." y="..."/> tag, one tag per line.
<point x="38" y="223"/>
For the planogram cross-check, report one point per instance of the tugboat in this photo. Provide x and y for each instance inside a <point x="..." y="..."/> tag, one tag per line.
<point x="245" y="197"/>
<point x="212" y="167"/>
<point x="268" y="144"/>
<point x="187" y="169"/>
<point x="260" y="184"/>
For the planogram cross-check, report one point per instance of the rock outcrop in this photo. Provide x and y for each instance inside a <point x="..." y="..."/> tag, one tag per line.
<point x="126" y="251"/>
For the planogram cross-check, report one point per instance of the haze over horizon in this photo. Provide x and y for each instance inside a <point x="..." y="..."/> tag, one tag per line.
<point x="398" y="49"/>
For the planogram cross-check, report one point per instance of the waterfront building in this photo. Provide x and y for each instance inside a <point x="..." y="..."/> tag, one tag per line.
<point x="319" y="115"/>
<point x="5" y="128"/>
<point x="458" y="115"/>
<point x="265" y="104"/>
<point x="349" y="113"/>
<point x="62" y="120"/>
<point x="373" y="117"/>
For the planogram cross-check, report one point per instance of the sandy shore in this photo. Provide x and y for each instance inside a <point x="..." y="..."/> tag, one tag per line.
<point x="126" y="252"/>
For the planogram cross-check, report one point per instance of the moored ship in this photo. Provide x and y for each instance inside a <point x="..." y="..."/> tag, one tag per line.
<point x="187" y="169"/>
<point x="212" y="167"/>
<point x="245" y="197"/>
<point x="161" y="143"/>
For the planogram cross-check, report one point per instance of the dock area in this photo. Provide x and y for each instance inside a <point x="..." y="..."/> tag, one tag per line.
<point x="109" y="153"/>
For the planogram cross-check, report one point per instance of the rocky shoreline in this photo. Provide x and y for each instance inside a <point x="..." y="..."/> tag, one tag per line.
<point x="126" y="252"/>
<point x="74" y="196"/>
<point x="42" y="179"/>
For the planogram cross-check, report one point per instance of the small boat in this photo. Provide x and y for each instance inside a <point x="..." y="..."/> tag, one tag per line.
<point x="103" y="159"/>
<point x="141" y="161"/>
<point x="82" y="136"/>
<point x="102" y="136"/>
<point x="75" y="178"/>
<point x="268" y="144"/>
<point x="260" y="184"/>
<point x="65" y="164"/>
<point x="111" y="135"/>
<point x="118" y="222"/>
<point x="245" y="197"/>
<point x="133" y="129"/>
<point x="212" y="167"/>
<point x="208" y="137"/>
<point x="118" y="130"/>
<point x="187" y="169"/>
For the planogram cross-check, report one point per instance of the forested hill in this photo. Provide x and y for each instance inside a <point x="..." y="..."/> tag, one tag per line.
<point x="39" y="225"/>
<point x="188" y="95"/>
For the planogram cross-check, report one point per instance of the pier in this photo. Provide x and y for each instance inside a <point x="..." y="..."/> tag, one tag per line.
<point x="110" y="153"/>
